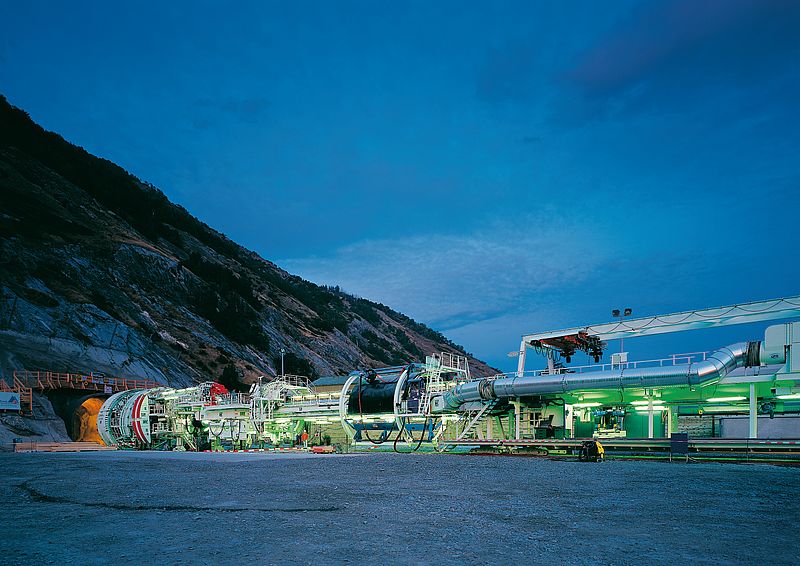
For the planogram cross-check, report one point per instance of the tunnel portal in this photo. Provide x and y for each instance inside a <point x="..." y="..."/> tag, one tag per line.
<point x="84" y="421"/>
<point x="79" y="413"/>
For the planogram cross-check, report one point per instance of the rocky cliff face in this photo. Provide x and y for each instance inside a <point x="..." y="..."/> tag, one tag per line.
<point x="99" y="271"/>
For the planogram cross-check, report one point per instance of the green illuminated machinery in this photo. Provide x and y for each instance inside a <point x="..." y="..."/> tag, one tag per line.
<point x="206" y="416"/>
<point x="727" y="393"/>
<point x="708" y="394"/>
<point x="276" y="411"/>
<point x="390" y="408"/>
<point x="283" y="407"/>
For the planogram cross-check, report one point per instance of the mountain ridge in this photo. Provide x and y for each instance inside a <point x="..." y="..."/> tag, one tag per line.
<point x="120" y="279"/>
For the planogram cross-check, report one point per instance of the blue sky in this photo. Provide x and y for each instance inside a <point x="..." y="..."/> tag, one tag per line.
<point x="491" y="169"/>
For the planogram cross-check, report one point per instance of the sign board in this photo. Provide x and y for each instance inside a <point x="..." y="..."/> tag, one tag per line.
<point x="9" y="400"/>
<point x="107" y="389"/>
<point x="619" y="358"/>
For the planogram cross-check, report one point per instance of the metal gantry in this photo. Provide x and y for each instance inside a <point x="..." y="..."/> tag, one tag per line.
<point x="742" y="313"/>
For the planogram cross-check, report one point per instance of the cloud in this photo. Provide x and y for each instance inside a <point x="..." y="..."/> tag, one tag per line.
<point x="486" y="288"/>
<point x="449" y="281"/>
<point x="683" y="49"/>
<point x="651" y="282"/>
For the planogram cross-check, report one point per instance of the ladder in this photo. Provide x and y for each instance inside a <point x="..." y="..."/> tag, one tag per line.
<point x="435" y="386"/>
<point x="476" y="420"/>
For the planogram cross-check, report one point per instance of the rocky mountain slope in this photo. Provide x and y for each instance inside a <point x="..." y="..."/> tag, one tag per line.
<point x="99" y="271"/>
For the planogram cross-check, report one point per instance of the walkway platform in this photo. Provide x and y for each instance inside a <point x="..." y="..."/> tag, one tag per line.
<point x="60" y="447"/>
<point x="49" y="380"/>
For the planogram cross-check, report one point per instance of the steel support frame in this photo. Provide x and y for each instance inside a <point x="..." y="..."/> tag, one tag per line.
<point x="753" y="414"/>
<point x="757" y="311"/>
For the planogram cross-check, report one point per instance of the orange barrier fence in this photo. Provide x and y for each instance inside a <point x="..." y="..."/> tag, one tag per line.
<point x="45" y="380"/>
<point x="24" y="382"/>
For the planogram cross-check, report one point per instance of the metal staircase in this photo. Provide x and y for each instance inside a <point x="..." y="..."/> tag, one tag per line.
<point x="477" y="419"/>
<point x="439" y="366"/>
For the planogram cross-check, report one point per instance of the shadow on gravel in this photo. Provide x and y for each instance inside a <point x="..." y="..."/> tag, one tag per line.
<point x="44" y="498"/>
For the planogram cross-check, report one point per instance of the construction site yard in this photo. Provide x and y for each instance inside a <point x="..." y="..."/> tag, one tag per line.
<point x="224" y="508"/>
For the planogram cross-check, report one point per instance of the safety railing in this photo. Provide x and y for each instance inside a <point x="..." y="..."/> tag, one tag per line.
<point x="315" y="397"/>
<point x="232" y="398"/>
<point x="47" y="380"/>
<point x="673" y="360"/>
<point x="295" y="380"/>
<point x="448" y="361"/>
<point x="694" y="356"/>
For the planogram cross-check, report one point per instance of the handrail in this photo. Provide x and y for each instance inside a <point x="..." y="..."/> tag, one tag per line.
<point x="673" y="360"/>
<point x="291" y="380"/>
<point x="44" y="380"/>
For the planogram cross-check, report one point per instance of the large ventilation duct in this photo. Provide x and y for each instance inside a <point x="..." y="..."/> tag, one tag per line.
<point x="716" y="366"/>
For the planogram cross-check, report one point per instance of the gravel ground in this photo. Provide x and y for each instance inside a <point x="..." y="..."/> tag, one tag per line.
<point x="170" y="508"/>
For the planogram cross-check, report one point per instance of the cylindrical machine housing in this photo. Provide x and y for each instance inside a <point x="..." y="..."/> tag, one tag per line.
<point x="370" y="398"/>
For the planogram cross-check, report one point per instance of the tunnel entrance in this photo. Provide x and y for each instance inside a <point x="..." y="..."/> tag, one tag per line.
<point x="79" y="413"/>
<point x="84" y="421"/>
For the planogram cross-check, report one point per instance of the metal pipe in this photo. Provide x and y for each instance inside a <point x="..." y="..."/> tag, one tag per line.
<point x="716" y="366"/>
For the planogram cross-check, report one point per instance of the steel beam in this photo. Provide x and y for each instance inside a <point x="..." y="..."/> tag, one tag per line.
<point x="757" y="311"/>
<point x="787" y="307"/>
